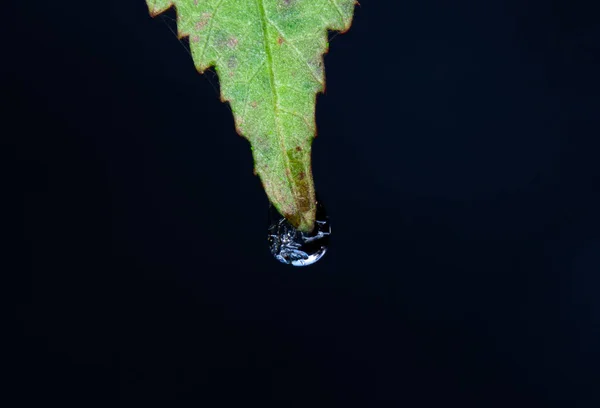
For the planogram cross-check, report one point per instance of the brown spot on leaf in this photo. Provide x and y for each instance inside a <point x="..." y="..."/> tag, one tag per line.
<point x="280" y="40"/>
<point x="254" y="104"/>
<point x="301" y="175"/>
<point x="200" y="24"/>
<point x="298" y="149"/>
<point x="232" y="42"/>
<point x="195" y="38"/>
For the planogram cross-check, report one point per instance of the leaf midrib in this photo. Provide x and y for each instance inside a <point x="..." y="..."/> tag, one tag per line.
<point x="264" y="21"/>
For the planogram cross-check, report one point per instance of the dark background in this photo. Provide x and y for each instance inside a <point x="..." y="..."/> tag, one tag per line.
<point x="456" y="157"/>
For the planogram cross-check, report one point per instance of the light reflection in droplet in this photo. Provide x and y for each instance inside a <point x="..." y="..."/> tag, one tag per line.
<point x="292" y="247"/>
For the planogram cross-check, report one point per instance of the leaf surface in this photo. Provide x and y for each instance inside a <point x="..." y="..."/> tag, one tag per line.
<point x="269" y="57"/>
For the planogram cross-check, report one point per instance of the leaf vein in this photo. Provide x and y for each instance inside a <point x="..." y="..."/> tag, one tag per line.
<point x="301" y="57"/>
<point x="293" y="88"/>
<point x="248" y="83"/>
<point x="339" y="10"/>
<point x="263" y="15"/>
<point x="296" y="114"/>
<point x="210" y="28"/>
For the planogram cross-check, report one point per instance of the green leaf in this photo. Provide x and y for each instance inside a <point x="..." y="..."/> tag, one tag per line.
<point x="269" y="57"/>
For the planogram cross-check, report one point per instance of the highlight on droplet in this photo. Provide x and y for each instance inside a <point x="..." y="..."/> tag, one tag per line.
<point x="293" y="247"/>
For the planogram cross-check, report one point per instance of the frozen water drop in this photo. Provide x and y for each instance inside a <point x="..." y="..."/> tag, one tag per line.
<point x="293" y="247"/>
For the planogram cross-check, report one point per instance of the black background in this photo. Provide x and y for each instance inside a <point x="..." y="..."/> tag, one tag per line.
<point x="456" y="157"/>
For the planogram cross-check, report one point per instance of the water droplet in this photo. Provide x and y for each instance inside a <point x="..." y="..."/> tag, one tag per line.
<point x="293" y="247"/>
